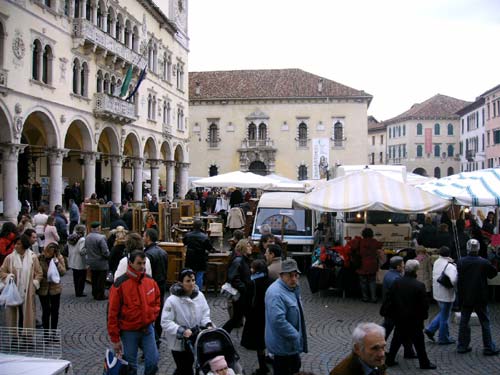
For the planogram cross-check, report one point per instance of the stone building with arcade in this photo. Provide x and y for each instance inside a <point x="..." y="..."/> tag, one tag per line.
<point x="66" y="115"/>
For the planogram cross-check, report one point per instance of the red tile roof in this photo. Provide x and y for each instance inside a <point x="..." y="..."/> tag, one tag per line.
<point x="437" y="107"/>
<point x="266" y="84"/>
<point x="375" y="125"/>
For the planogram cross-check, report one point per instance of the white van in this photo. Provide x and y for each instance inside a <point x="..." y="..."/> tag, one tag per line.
<point x="299" y="223"/>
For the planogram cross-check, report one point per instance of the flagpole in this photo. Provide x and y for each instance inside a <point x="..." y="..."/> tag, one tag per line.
<point x="128" y="75"/>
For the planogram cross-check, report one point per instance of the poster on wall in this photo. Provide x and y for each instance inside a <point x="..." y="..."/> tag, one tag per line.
<point x="428" y="141"/>
<point x="44" y="181"/>
<point x="320" y="157"/>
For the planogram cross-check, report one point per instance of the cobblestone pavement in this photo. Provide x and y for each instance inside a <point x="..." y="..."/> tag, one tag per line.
<point x="329" y="319"/>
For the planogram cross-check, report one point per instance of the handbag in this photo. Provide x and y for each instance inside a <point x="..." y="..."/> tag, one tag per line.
<point x="53" y="273"/>
<point x="10" y="295"/>
<point x="444" y="279"/>
<point x="114" y="365"/>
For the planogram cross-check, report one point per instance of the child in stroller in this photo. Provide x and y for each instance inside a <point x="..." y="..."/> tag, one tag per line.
<point x="211" y="344"/>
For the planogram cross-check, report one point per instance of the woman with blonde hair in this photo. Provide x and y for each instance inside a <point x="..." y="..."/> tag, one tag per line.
<point x="50" y="232"/>
<point x="118" y="249"/>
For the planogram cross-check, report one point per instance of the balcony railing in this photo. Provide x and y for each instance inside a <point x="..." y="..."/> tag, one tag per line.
<point x="113" y="108"/>
<point x="3" y="80"/>
<point x="257" y="143"/>
<point x="88" y="31"/>
<point x="470" y="154"/>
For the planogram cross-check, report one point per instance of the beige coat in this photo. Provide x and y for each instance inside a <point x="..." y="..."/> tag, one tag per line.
<point x="11" y="313"/>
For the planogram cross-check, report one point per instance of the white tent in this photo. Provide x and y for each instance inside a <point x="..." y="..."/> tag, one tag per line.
<point x="370" y="190"/>
<point x="478" y="188"/>
<point x="235" y="179"/>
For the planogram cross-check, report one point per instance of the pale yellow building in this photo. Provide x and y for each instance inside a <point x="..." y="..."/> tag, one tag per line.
<point x="426" y="137"/>
<point x="376" y="141"/>
<point x="64" y="117"/>
<point x="285" y="121"/>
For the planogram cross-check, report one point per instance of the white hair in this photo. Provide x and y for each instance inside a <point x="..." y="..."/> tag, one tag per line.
<point x="473" y="246"/>
<point x="411" y="266"/>
<point x="363" y="329"/>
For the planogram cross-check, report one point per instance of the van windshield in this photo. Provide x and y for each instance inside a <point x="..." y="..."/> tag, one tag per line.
<point x="378" y="217"/>
<point x="295" y="222"/>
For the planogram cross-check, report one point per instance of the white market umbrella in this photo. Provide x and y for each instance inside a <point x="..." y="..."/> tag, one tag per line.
<point x="478" y="188"/>
<point x="235" y="179"/>
<point x="370" y="190"/>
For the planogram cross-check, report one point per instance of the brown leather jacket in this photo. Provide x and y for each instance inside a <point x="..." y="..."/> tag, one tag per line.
<point x="45" y="286"/>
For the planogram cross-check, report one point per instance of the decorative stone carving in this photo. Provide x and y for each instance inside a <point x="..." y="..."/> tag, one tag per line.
<point x="18" y="46"/>
<point x="258" y="115"/>
<point x="18" y="108"/>
<point x="63" y="119"/>
<point x="18" y="121"/>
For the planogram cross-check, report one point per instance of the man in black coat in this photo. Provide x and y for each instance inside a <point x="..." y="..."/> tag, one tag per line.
<point x="427" y="235"/>
<point x="473" y="275"/>
<point x="409" y="309"/>
<point x="159" y="267"/>
<point x="198" y="245"/>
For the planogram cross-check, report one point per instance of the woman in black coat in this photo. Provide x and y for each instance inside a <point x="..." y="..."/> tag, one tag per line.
<point x="253" y="332"/>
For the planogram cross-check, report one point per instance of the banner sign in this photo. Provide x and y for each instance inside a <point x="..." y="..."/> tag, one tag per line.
<point x="320" y="157"/>
<point x="428" y="141"/>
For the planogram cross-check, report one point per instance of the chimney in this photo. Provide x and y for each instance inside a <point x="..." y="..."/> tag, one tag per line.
<point x="320" y="85"/>
<point x="197" y="89"/>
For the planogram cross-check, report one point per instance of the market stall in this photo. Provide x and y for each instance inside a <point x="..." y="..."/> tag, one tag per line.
<point x="244" y="180"/>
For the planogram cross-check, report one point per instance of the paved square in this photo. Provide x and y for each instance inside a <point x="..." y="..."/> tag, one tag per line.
<point x="329" y="320"/>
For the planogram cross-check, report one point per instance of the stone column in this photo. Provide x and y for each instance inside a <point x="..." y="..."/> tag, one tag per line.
<point x="184" y="179"/>
<point x="10" y="158"/>
<point x="89" y="159"/>
<point x="94" y="13"/>
<point x="56" y="157"/>
<point x="170" y="179"/>
<point x="138" y="165"/>
<point x="155" y="169"/>
<point x="105" y="22"/>
<point x="83" y="9"/>
<point x="116" y="179"/>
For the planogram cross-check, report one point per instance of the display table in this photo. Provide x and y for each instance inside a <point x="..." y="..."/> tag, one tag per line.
<point x="176" y="256"/>
<point x="17" y="364"/>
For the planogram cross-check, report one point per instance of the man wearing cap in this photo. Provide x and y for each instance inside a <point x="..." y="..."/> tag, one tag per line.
<point x="97" y="259"/>
<point x="285" y="331"/>
<point x="473" y="275"/>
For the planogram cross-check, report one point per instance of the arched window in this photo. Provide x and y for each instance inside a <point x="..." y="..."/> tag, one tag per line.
<point x="180" y="119"/>
<point x="338" y="134"/>
<point x="437" y="172"/>
<point x="99" y="81"/>
<point x="437" y="129"/>
<point x="451" y="151"/>
<point x="112" y="87"/>
<point x="450" y="171"/>
<point x="76" y="76"/>
<point x="88" y="11"/>
<point x="47" y="3"/>
<point x="47" y="65"/>
<point x="128" y="33"/>
<point x="84" y="74"/>
<point x="404" y="130"/>
<point x="419" y="129"/>
<point x="150" y="56"/>
<point x="437" y="151"/>
<point x="302" y="135"/>
<point x="302" y="175"/>
<point x="100" y="16"/>
<point x="37" y="54"/>
<point x="118" y="28"/>
<point x="155" y="59"/>
<point x="419" y="151"/>
<point x="135" y="39"/>
<point x="150" y="106"/>
<point x="164" y="112"/>
<point x="154" y="108"/>
<point x="106" y="83"/>
<point x="262" y="131"/>
<point x="450" y="129"/>
<point x="213" y="170"/>
<point x="168" y="113"/>
<point x="213" y="135"/>
<point x="252" y="132"/>
<point x="76" y="11"/>
<point x="109" y="21"/>
<point x="66" y="7"/>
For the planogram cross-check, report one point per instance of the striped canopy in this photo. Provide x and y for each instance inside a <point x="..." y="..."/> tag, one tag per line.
<point x="478" y="188"/>
<point x="370" y="190"/>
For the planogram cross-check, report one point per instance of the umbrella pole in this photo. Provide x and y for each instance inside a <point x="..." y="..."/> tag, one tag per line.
<point x="454" y="229"/>
<point x="366" y="218"/>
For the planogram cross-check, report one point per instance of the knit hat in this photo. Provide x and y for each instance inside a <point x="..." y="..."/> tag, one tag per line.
<point x="218" y="363"/>
<point x="95" y="224"/>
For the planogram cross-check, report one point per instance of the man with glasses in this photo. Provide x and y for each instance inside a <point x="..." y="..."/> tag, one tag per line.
<point x="285" y="331"/>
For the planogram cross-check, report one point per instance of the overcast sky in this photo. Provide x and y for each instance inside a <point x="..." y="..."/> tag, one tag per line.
<point x="400" y="51"/>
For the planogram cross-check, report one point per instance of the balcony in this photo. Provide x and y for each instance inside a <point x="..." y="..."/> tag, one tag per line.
<point x="3" y="81"/>
<point x="114" y="109"/>
<point x="257" y="144"/>
<point x="470" y="155"/>
<point x="86" y="31"/>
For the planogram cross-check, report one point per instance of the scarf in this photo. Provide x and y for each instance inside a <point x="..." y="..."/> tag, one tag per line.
<point x="257" y="275"/>
<point x="22" y="269"/>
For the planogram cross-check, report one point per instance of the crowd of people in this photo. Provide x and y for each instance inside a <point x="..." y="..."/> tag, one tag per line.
<point x="266" y="303"/>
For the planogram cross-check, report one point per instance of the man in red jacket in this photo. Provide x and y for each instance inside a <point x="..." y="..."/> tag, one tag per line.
<point x="134" y="304"/>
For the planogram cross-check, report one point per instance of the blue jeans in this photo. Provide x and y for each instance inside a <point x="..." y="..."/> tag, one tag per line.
<point x="464" y="330"/>
<point x="199" y="279"/>
<point x="131" y="341"/>
<point x="441" y="322"/>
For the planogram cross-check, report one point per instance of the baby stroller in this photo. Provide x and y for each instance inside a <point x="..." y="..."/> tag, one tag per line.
<point x="211" y="343"/>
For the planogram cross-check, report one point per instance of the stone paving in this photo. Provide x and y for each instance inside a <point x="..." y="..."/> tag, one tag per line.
<point x="329" y="319"/>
